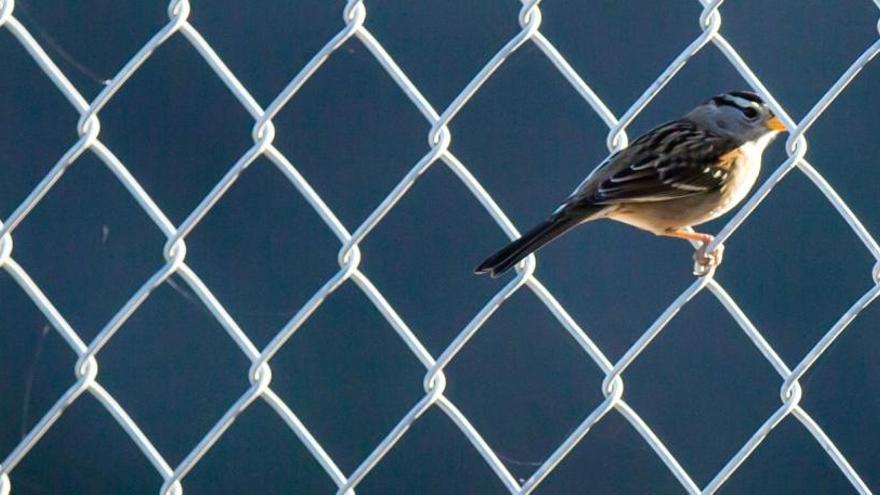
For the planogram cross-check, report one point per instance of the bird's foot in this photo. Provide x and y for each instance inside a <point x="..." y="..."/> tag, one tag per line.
<point x="705" y="263"/>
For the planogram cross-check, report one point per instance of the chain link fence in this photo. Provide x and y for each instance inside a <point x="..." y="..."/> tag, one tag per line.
<point x="352" y="26"/>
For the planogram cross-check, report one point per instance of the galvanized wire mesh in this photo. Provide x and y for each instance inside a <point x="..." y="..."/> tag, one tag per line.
<point x="86" y="372"/>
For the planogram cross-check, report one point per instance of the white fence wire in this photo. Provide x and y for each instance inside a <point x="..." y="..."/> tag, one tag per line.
<point x="86" y="371"/>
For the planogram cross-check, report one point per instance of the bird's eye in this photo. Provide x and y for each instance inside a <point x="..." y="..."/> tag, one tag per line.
<point x="750" y="113"/>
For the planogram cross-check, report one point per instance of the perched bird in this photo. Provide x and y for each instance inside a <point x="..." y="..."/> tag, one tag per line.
<point x="682" y="173"/>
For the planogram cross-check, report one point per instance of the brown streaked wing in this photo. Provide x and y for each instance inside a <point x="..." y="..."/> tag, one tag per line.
<point x="671" y="161"/>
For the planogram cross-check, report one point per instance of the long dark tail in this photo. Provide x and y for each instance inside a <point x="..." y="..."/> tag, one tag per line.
<point x="531" y="241"/>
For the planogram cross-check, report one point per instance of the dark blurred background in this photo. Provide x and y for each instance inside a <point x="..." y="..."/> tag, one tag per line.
<point x="794" y="266"/>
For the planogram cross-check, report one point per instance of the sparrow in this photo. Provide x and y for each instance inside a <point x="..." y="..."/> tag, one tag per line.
<point x="678" y="175"/>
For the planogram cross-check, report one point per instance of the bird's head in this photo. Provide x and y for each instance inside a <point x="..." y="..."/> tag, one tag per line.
<point x="741" y="115"/>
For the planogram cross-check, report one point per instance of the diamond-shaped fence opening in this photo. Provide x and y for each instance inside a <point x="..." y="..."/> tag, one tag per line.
<point x="439" y="152"/>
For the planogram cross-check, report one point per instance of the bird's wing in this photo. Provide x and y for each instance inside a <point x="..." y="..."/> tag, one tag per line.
<point x="671" y="161"/>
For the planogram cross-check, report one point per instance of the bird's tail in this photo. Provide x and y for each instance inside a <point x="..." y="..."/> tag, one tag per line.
<point x="531" y="241"/>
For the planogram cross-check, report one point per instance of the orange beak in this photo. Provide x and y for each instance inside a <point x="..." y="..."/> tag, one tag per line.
<point x="774" y="124"/>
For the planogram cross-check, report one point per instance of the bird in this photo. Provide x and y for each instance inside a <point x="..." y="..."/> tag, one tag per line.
<point x="678" y="175"/>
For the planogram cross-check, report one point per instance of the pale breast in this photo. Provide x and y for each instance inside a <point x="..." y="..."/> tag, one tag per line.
<point x="742" y="176"/>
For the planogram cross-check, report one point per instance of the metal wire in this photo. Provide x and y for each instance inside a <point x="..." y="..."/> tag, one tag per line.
<point x="86" y="371"/>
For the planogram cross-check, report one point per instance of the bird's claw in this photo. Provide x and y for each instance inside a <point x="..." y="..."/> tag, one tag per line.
<point x="705" y="263"/>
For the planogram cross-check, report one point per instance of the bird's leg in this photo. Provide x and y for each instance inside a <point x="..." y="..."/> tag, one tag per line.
<point x="703" y="261"/>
